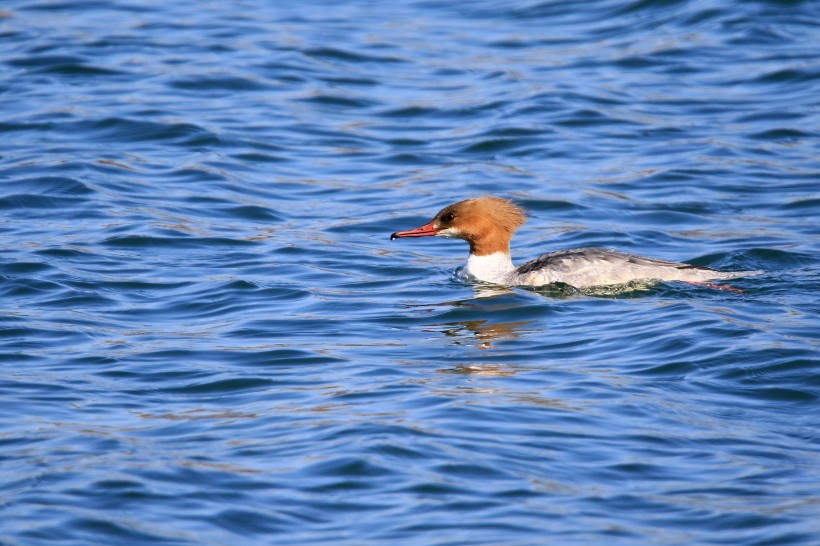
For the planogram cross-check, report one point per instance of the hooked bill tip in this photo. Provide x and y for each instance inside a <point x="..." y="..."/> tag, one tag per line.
<point x="393" y="236"/>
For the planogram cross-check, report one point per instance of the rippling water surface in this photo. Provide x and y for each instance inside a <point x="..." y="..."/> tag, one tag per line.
<point x="207" y="337"/>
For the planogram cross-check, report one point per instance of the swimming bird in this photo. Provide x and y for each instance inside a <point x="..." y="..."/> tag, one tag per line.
<point x="488" y="225"/>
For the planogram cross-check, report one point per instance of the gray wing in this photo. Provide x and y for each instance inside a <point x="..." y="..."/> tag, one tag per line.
<point x="600" y="258"/>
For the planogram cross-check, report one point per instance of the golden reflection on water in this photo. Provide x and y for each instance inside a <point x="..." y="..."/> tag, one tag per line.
<point x="503" y="394"/>
<point x="482" y="331"/>
<point x="481" y="370"/>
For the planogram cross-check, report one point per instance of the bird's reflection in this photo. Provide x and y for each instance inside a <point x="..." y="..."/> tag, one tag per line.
<point x="490" y="291"/>
<point x="481" y="370"/>
<point x="488" y="300"/>
<point x="482" y="331"/>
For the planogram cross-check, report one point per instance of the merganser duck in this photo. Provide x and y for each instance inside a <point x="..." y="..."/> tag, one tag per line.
<point x="488" y="224"/>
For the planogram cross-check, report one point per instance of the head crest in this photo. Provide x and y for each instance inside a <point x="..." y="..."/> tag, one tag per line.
<point x="505" y="214"/>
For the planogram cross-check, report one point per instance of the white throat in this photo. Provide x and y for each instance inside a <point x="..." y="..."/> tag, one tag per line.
<point x="495" y="268"/>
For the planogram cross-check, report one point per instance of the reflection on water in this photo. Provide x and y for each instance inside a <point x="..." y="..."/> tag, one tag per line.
<point x="501" y="393"/>
<point x="482" y="369"/>
<point x="483" y="331"/>
<point x="483" y="290"/>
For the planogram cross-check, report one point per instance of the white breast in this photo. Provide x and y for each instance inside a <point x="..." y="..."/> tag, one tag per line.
<point x="495" y="268"/>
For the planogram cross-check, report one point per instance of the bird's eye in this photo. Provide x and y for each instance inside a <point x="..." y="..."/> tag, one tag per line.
<point x="449" y="217"/>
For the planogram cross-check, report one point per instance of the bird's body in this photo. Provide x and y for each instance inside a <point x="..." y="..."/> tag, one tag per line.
<point x="488" y="224"/>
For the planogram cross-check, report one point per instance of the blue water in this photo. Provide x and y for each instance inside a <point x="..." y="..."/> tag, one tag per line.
<point x="207" y="337"/>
